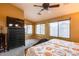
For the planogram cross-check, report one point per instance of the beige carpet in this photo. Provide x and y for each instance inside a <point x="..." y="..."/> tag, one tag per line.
<point x="20" y="50"/>
<point x="14" y="52"/>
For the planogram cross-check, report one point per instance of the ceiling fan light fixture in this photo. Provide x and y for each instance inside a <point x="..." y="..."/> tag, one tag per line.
<point x="46" y="6"/>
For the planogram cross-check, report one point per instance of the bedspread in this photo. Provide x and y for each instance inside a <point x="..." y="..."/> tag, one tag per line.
<point x="54" y="47"/>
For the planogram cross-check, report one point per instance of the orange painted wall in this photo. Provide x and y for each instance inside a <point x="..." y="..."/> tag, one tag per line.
<point x="9" y="10"/>
<point x="12" y="11"/>
<point x="75" y="27"/>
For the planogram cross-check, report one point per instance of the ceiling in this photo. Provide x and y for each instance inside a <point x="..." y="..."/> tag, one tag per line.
<point x="30" y="12"/>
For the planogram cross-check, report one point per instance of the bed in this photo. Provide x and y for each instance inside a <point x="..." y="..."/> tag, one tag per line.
<point x="54" y="47"/>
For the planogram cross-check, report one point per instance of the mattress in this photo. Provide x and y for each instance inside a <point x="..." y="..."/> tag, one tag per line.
<point x="54" y="47"/>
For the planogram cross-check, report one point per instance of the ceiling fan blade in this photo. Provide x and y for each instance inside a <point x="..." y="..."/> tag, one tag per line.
<point x="54" y="6"/>
<point x="37" y="6"/>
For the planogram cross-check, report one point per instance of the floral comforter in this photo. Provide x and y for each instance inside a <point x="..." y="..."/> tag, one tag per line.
<point x="54" y="47"/>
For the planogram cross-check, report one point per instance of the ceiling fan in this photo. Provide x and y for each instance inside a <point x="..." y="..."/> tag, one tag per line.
<point x="46" y="6"/>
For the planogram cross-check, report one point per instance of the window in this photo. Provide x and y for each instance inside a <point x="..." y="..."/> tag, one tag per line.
<point x="54" y="29"/>
<point x="64" y="29"/>
<point x="28" y="29"/>
<point x="60" y="29"/>
<point x="40" y="29"/>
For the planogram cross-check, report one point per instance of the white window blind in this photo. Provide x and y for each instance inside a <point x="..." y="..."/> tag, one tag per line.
<point x="28" y="29"/>
<point x="60" y="29"/>
<point x="64" y="29"/>
<point x="40" y="29"/>
<point x="54" y="29"/>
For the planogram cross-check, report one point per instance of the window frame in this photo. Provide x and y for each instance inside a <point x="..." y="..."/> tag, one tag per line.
<point x="50" y="29"/>
<point x="27" y="30"/>
<point x="40" y="31"/>
<point x="68" y="29"/>
<point x="58" y="28"/>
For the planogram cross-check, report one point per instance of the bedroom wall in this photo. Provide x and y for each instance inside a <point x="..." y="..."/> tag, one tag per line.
<point x="12" y="11"/>
<point x="74" y="29"/>
<point x="9" y="10"/>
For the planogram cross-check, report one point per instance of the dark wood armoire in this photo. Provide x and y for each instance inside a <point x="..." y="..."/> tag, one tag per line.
<point x="15" y="33"/>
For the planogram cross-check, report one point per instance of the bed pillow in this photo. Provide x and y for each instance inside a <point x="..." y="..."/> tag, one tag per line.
<point x="41" y="41"/>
